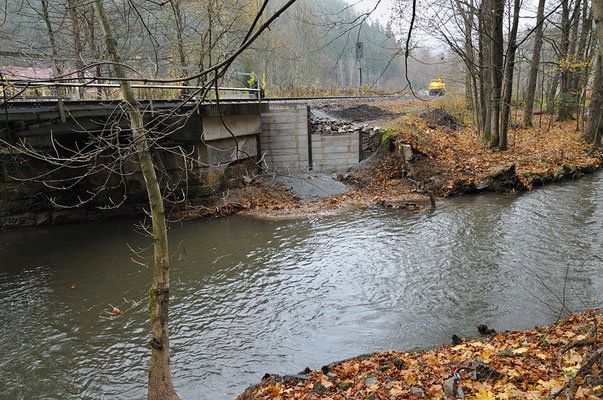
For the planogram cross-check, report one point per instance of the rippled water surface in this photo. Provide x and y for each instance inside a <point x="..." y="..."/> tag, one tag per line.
<point x="252" y="296"/>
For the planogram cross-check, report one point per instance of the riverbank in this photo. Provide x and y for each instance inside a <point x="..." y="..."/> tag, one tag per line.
<point x="423" y="151"/>
<point x="562" y="361"/>
<point x="448" y="157"/>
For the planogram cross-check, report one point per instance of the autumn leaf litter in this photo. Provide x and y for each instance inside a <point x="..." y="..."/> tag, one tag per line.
<point x="530" y="364"/>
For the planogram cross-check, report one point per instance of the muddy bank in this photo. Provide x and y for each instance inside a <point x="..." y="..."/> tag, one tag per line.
<point x="562" y="360"/>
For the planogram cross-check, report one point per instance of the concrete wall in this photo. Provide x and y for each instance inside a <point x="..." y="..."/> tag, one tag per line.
<point x="284" y="137"/>
<point x="26" y="202"/>
<point x="335" y="152"/>
<point x="221" y="147"/>
<point x="285" y="145"/>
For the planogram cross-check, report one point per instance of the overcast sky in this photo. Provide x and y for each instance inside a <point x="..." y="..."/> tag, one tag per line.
<point x="381" y="14"/>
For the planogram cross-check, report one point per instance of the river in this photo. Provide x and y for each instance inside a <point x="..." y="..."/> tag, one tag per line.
<point x="253" y="296"/>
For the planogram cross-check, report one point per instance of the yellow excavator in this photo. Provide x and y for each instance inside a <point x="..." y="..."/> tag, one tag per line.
<point x="437" y="87"/>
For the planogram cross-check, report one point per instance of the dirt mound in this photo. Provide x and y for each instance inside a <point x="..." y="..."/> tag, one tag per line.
<point x="437" y="116"/>
<point x="361" y="112"/>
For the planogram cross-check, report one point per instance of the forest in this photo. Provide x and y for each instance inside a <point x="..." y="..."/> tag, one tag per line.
<point x="309" y="48"/>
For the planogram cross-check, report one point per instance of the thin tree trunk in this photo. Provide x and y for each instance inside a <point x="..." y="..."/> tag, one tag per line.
<point x="77" y="44"/>
<point x="160" y="380"/>
<point x="552" y="94"/>
<point x="467" y="16"/>
<point x="50" y="32"/>
<point x="485" y="70"/>
<point x="180" y="41"/>
<point x="527" y="116"/>
<point x="566" y="61"/>
<point x="93" y="50"/>
<point x="508" y="79"/>
<point x="57" y="71"/>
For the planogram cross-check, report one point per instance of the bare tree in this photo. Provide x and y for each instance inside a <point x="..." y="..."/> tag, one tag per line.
<point x="531" y="90"/>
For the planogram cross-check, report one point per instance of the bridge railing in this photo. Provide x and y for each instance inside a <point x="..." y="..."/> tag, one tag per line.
<point x="17" y="90"/>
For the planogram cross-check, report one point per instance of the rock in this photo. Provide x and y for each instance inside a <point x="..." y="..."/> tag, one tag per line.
<point x="43" y="219"/>
<point x="398" y="363"/>
<point x="479" y="371"/>
<point x="22" y="220"/>
<point x="345" y="385"/>
<point x="456" y="340"/>
<point x="369" y="380"/>
<point x="505" y="353"/>
<point x="502" y="179"/>
<point x="325" y="369"/>
<point x="407" y="152"/>
<point x="451" y="387"/>
<point x="484" y="330"/>
<point x="319" y="389"/>
<point x="295" y="378"/>
<point x="332" y="377"/>
<point x="68" y="216"/>
<point x="416" y="390"/>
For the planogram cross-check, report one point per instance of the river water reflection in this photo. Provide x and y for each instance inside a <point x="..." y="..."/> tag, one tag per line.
<point x="253" y="296"/>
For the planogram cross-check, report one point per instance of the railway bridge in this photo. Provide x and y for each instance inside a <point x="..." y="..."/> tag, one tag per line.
<point x="204" y="147"/>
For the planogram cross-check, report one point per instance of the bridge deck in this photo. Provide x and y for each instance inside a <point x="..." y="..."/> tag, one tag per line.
<point x="44" y="110"/>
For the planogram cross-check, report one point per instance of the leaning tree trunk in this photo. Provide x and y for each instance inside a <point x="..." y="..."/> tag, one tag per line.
<point x="527" y="116"/>
<point x="160" y="380"/>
